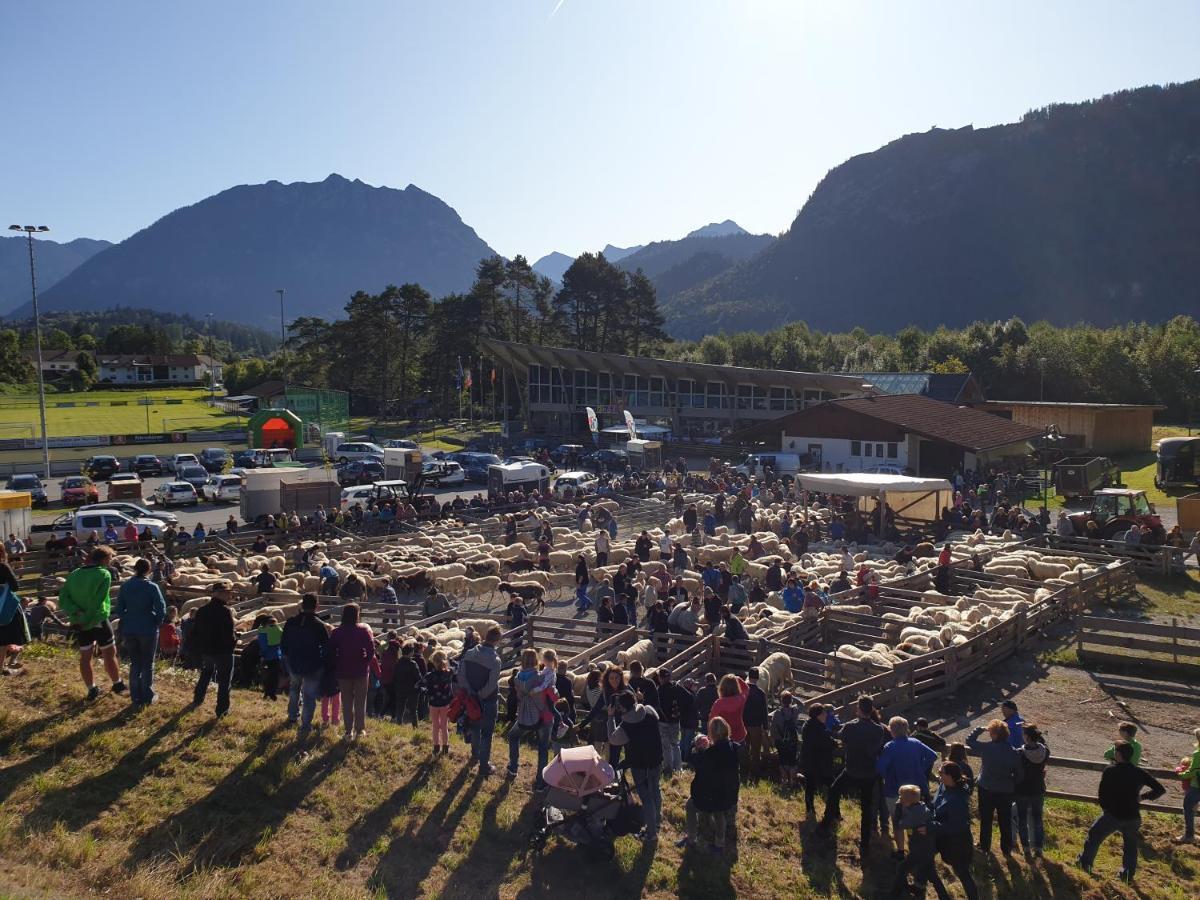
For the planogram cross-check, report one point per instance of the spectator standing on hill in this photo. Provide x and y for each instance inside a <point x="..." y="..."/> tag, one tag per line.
<point x="305" y="646"/>
<point x="479" y="675"/>
<point x="85" y="600"/>
<point x="862" y="742"/>
<point x="1000" y="767"/>
<point x="1030" y="793"/>
<point x="352" y="648"/>
<point x="1120" y="801"/>
<point x="141" y="609"/>
<point x="212" y="638"/>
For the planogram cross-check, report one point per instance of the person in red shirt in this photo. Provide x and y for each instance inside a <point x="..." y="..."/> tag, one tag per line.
<point x="731" y="700"/>
<point x="130" y="534"/>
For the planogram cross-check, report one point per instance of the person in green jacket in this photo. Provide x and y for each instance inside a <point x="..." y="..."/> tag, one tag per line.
<point x="84" y="600"/>
<point x="1190" y="774"/>
<point x="1126" y="732"/>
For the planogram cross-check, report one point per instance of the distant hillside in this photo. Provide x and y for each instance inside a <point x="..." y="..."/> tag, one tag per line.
<point x="719" y="229"/>
<point x="54" y="261"/>
<point x="553" y="265"/>
<point x="675" y="266"/>
<point x="1080" y="212"/>
<point x="616" y="254"/>
<point x="319" y="241"/>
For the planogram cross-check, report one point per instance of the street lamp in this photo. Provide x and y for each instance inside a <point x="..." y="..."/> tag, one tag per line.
<point x="212" y="366"/>
<point x="1042" y="379"/>
<point x="37" y="335"/>
<point x="282" y="341"/>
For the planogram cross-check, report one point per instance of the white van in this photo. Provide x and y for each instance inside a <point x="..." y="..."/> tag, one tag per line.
<point x="781" y="463"/>
<point x="585" y="482"/>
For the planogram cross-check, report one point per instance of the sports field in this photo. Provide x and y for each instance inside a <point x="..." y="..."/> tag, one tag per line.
<point x="170" y="409"/>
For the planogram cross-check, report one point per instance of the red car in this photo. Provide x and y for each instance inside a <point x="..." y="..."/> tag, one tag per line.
<point x="79" y="489"/>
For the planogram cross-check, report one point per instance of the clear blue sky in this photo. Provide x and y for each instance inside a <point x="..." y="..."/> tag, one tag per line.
<point x="623" y="120"/>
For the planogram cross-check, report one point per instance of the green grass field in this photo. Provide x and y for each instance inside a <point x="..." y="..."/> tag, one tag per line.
<point x="19" y="414"/>
<point x="169" y="802"/>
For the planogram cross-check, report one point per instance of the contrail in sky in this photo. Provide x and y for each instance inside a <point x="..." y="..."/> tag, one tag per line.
<point x="557" y="7"/>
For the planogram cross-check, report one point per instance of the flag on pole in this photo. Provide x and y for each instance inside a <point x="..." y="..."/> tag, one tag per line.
<point x="493" y="374"/>
<point x="629" y="425"/>
<point x="593" y="425"/>
<point x="458" y="379"/>
<point x="467" y="382"/>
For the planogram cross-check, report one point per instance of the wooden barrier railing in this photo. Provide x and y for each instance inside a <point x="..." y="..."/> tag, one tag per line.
<point x="1159" y="644"/>
<point x="1154" y="558"/>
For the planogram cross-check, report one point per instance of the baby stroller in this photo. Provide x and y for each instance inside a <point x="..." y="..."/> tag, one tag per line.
<point x="586" y="803"/>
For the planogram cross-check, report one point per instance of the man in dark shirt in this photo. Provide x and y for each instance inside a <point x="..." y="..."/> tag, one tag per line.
<point x="862" y="742"/>
<point x="754" y="717"/>
<point x="265" y="581"/>
<point x="1120" y="797"/>
<point x="213" y="639"/>
<point x="705" y="698"/>
<point x="640" y="684"/>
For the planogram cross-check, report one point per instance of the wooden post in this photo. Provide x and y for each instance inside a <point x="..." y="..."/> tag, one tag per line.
<point x="1079" y="638"/>
<point x="912" y="683"/>
<point x="529" y="631"/>
<point x="715" y="651"/>
<point x="1174" y="641"/>
<point x="761" y="651"/>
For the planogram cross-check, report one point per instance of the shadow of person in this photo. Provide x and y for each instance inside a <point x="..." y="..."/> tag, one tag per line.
<point x="703" y="874"/>
<point x="15" y="776"/>
<point x="80" y="803"/>
<point x="220" y="828"/>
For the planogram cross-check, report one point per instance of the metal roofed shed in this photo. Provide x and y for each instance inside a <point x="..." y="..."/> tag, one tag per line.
<point x="1101" y="428"/>
<point x="920" y="499"/>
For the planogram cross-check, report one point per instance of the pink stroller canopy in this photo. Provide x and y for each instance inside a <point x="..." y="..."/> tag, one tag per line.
<point x="579" y="771"/>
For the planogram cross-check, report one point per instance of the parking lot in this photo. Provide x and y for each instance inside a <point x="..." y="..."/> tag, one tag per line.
<point x="212" y="515"/>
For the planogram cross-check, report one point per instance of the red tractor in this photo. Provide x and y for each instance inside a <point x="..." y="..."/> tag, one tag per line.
<point x="1114" y="510"/>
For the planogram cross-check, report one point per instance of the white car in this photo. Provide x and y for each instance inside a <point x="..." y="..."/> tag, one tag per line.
<point x="83" y="522"/>
<point x="364" y="493"/>
<point x="401" y="444"/>
<point x="443" y="472"/>
<point x="222" y="489"/>
<point x="357" y="450"/>
<point x="133" y="510"/>
<point x="175" y="493"/>
<point x="576" y="481"/>
<point x="179" y="460"/>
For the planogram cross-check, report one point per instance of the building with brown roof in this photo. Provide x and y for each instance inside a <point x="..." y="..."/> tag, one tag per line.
<point x="901" y="433"/>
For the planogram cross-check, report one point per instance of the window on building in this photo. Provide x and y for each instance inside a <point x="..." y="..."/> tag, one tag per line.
<point x="892" y="451"/>
<point x="866" y="449"/>
<point x="879" y="450"/>
<point x="856" y="448"/>
<point x="716" y="396"/>
<point x="657" y="392"/>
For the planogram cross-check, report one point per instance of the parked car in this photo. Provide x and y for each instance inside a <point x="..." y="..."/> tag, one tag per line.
<point x="125" y="486"/>
<point x="147" y="464"/>
<point x="175" y="493"/>
<point x="134" y="511"/>
<point x="79" y="489"/>
<point x="443" y="473"/>
<point x="606" y="460"/>
<point x="183" y="459"/>
<point x="33" y="485"/>
<point x="193" y="475"/>
<point x="214" y="458"/>
<point x="223" y="489"/>
<point x="586" y="482"/>
<point x="565" y="454"/>
<point x="401" y="444"/>
<point x="381" y="490"/>
<point x="100" y="467"/>
<point x="360" y="471"/>
<point x="475" y="465"/>
<point x="83" y="522"/>
<point x="357" y="450"/>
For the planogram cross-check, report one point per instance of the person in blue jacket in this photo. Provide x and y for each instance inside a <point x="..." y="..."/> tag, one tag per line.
<point x="793" y="596"/>
<point x="904" y="760"/>
<point x="141" y="610"/>
<point x="952" y="825"/>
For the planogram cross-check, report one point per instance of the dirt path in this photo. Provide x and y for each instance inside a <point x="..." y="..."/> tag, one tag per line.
<point x="1078" y="711"/>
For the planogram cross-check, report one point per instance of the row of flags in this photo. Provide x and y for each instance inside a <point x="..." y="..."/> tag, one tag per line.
<point x="464" y="380"/>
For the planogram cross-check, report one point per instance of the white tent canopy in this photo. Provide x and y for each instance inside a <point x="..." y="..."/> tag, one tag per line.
<point x="644" y="431"/>
<point x="912" y="498"/>
<point x="871" y="484"/>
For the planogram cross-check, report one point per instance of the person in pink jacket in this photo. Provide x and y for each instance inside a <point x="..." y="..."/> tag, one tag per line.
<point x="352" y="647"/>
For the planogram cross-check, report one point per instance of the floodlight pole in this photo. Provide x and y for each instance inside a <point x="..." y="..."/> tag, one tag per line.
<point x="37" y="336"/>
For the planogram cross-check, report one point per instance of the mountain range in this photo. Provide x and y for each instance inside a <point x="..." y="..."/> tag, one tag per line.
<point x="320" y="242"/>
<point x="1079" y="212"/>
<point x="53" y="260"/>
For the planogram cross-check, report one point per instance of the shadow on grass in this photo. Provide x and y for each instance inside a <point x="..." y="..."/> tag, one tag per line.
<point x="13" y="777"/>
<point x="241" y="810"/>
<point x="18" y="735"/>
<point x="79" y="804"/>
<point x="411" y="856"/>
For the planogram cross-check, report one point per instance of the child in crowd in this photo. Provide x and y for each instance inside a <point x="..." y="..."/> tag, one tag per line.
<point x="169" y="638"/>
<point x="439" y="684"/>
<point x="1126" y="732"/>
<point x="270" y="634"/>
<point x="913" y="816"/>
<point x="548" y="684"/>
<point x="785" y="735"/>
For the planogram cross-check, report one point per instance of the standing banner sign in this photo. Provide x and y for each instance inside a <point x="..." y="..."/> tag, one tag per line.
<point x="630" y="426"/>
<point x="593" y="426"/>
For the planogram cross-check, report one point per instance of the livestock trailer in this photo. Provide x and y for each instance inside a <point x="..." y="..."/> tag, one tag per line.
<point x="1082" y="476"/>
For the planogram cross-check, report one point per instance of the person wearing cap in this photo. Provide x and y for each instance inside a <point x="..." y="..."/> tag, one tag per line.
<point x="213" y="638"/>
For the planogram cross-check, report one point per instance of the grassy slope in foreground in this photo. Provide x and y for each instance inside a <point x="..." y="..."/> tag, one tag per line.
<point x="168" y="803"/>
